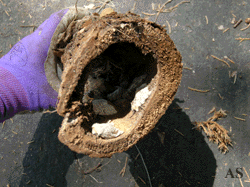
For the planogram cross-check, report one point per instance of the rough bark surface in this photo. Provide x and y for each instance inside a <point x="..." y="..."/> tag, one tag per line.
<point x="83" y="43"/>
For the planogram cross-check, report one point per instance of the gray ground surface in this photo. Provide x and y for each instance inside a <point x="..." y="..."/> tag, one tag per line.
<point x="181" y="160"/>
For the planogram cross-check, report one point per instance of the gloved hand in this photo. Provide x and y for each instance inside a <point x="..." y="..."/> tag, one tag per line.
<point x="23" y="84"/>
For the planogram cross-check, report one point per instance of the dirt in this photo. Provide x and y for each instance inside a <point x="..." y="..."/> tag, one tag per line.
<point x="133" y="47"/>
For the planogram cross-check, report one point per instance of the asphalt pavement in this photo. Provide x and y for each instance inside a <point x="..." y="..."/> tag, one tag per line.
<point x="31" y="154"/>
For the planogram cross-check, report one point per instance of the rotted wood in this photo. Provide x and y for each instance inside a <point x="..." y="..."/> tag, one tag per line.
<point x="120" y="53"/>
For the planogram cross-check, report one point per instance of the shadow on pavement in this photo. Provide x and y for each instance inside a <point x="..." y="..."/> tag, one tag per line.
<point x="182" y="160"/>
<point x="47" y="160"/>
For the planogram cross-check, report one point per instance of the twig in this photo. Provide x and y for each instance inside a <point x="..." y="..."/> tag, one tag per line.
<point x="233" y="15"/>
<point x="225" y="30"/>
<point x="95" y="179"/>
<point x="144" y="166"/>
<point x="241" y="119"/>
<point x="245" y="27"/>
<point x="14" y="132"/>
<point x="103" y="5"/>
<point x="153" y="6"/>
<point x="133" y="9"/>
<point x="206" y="20"/>
<point x="169" y="27"/>
<point x="212" y="110"/>
<point x="48" y="111"/>
<point x="187" y="68"/>
<point x="242" y="39"/>
<point x="105" y="164"/>
<point x="237" y="23"/>
<point x="240" y="180"/>
<point x="202" y="91"/>
<point x="229" y="59"/>
<point x="220" y="96"/>
<point x="92" y="169"/>
<point x="142" y="180"/>
<point x="30" y="142"/>
<point x="162" y="8"/>
<point x="178" y="132"/>
<point x="3" y="3"/>
<point x="220" y="60"/>
<point x="148" y="14"/>
<point x="246" y="173"/>
<point x="7" y="13"/>
<point x="49" y="185"/>
<point x="27" y="26"/>
<point x="122" y="172"/>
<point x="3" y="124"/>
<point x="174" y="7"/>
<point x="76" y="7"/>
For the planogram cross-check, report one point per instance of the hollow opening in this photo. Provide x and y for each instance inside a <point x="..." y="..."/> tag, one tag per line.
<point x="110" y="82"/>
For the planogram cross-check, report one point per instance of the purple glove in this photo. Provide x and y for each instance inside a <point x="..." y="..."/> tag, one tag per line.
<point x="23" y="84"/>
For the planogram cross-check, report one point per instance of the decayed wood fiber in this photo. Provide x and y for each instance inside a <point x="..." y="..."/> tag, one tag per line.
<point x="89" y="39"/>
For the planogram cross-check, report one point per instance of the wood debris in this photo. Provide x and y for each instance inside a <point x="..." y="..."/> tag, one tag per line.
<point x="14" y="132"/>
<point x="233" y="75"/>
<point x="2" y="3"/>
<point x="246" y="174"/>
<point x="142" y="180"/>
<point x="242" y="39"/>
<point x="162" y="8"/>
<point x="245" y="27"/>
<point x="30" y="142"/>
<point x="187" y="68"/>
<point x="233" y="15"/>
<point x="49" y="185"/>
<point x="215" y="132"/>
<point x="169" y="27"/>
<point x="92" y="169"/>
<point x="133" y="9"/>
<point x="220" y="96"/>
<point x="229" y="59"/>
<point x="178" y="132"/>
<point x="28" y="182"/>
<point x="7" y="13"/>
<point x="3" y="124"/>
<point x="225" y="30"/>
<point x="220" y="60"/>
<point x="48" y="111"/>
<point x="174" y="7"/>
<point x="206" y="20"/>
<point x="241" y="119"/>
<point x="103" y="5"/>
<point x="240" y="180"/>
<point x="153" y="6"/>
<point x="212" y="110"/>
<point x="95" y="179"/>
<point x="247" y="20"/>
<point x="233" y="21"/>
<point x="161" y="136"/>
<point x="237" y="23"/>
<point x="196" y="90"/>
<point x="148" y="14"/>
<point x="124" y="168"/>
